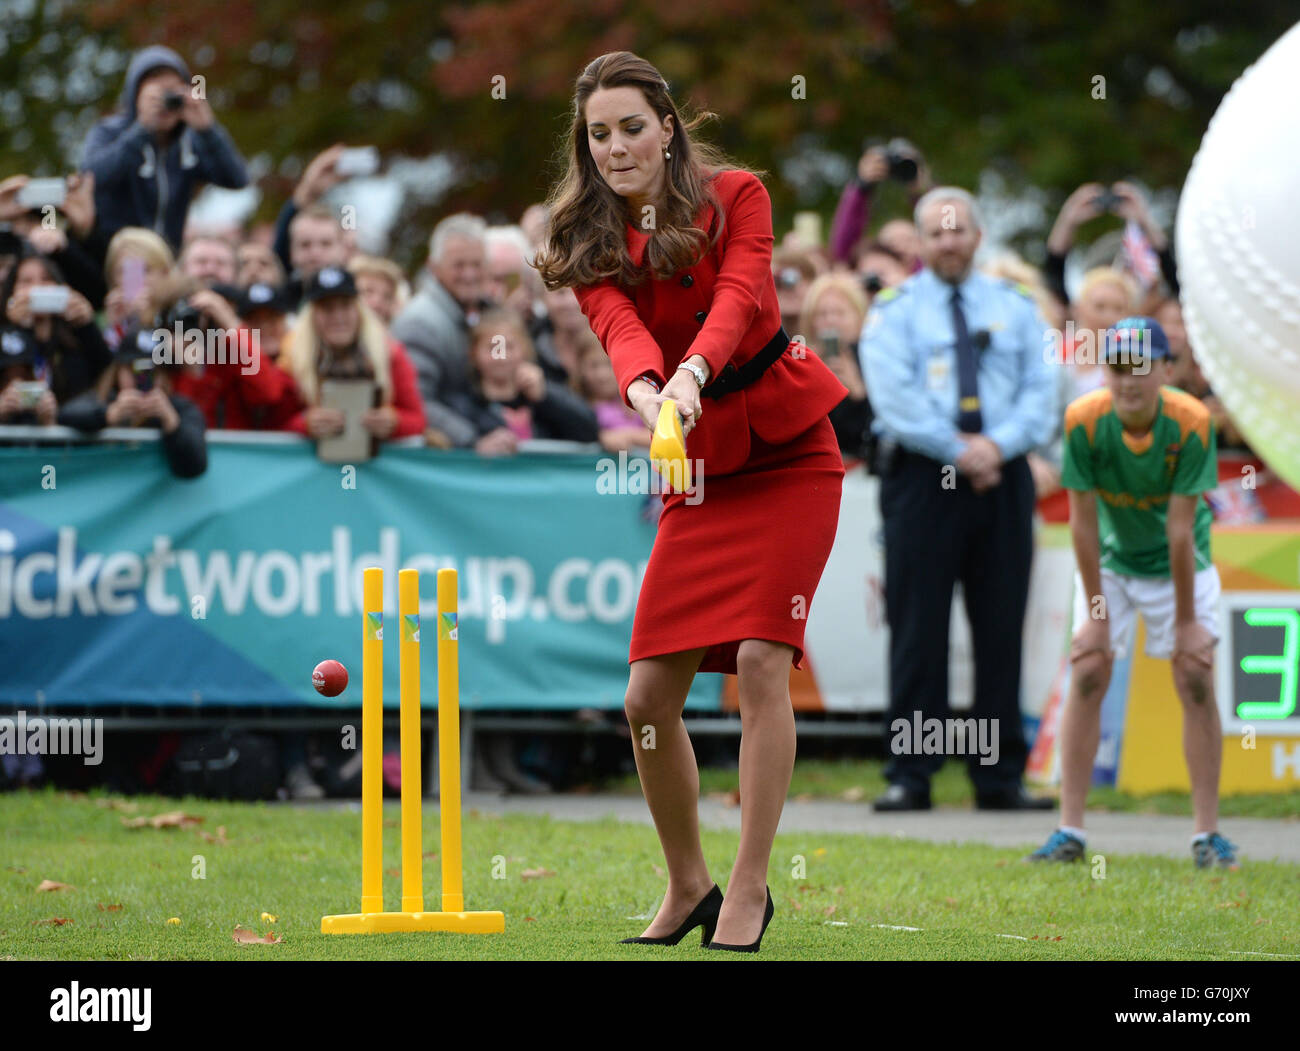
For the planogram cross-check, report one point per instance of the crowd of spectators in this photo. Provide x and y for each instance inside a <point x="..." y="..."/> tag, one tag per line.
<point x="471" y="352"/>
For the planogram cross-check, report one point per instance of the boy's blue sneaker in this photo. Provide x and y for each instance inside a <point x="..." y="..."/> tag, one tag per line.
<point x="1060" y="846"/>
<point x="1215" y="850"/>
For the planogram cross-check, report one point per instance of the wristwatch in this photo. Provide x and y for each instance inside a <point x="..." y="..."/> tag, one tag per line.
<point x="695" y="371"/>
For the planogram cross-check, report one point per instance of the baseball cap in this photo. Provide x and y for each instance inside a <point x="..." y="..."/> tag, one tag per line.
<point x="135" y="352"/>
<point x="137" y="342"/>
<point x="261" y="296"/>
<point x="1136" y="339"/>
<point x="330" y="281"/>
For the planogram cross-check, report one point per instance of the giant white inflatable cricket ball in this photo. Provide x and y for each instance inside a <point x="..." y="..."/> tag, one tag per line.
<point x="1238" y="245"/>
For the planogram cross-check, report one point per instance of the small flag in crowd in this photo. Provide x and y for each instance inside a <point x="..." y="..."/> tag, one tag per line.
<point x="1141" y="257"/>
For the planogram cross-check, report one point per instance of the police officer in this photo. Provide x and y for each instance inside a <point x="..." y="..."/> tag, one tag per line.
<point x="955" y="361"/>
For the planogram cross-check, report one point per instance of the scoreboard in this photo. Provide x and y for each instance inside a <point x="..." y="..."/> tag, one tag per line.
<point x="1258" y="662"/>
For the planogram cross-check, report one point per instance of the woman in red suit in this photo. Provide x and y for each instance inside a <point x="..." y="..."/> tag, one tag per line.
<point x="669" y="250"/>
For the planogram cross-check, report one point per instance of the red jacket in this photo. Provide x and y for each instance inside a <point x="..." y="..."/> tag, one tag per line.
<point x="406" y="398"/>
<point x="725" y="309"/>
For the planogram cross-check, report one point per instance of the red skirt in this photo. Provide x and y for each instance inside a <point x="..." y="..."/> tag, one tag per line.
<point x="744" y="560"/>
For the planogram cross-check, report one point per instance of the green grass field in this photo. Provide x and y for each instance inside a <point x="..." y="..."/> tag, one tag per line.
<point x="864" y="779"/>
<point x="601" y="882"/>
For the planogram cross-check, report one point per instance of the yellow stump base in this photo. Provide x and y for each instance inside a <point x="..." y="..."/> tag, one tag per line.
<point x="397" y="922"/>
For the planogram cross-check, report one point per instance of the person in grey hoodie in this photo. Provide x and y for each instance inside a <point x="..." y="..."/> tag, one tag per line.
<point x="150" y="158"/>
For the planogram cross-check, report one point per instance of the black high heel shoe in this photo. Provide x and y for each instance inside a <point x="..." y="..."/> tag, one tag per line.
<point x="752" y="946"/>
<point x="704" y="914"/>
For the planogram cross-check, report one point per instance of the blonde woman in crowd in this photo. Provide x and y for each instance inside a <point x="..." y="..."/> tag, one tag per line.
<point x="1105" y="295"/>
<point x="834" y="309"/>
<point x="137" y="263"/>
<point x="339" y="337"/>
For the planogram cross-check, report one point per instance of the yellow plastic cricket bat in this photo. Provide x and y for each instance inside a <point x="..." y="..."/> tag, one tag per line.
<point x="668" y="448"/>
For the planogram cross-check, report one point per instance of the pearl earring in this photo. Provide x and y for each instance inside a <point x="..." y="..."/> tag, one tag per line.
<point x="667" y="154"/>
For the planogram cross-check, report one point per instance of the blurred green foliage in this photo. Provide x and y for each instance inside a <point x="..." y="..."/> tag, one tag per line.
<point x="997" y="85"/>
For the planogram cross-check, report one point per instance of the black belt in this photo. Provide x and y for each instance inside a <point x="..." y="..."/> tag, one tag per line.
<point x="733" y="379"/>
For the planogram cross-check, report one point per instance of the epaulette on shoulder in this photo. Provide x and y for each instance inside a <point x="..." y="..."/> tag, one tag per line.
<point x="1021" y="287"/>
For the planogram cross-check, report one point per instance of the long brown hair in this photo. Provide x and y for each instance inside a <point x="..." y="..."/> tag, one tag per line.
<point x="586" y="241"/>
<point x="302" y="354"/>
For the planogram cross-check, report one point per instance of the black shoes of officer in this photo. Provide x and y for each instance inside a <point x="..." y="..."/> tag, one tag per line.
<point x="897" y="797"/>
<point x="1013" y="799"/>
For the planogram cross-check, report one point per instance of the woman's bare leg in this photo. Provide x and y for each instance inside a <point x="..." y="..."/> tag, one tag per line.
<point x="767" y="748"/>
<point x="670" y="779"/>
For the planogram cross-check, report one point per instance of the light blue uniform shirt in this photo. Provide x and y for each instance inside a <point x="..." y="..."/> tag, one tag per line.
<point x="908" y="354"/>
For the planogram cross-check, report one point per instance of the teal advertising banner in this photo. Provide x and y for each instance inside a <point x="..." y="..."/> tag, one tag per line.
<point x="121" y="585"/>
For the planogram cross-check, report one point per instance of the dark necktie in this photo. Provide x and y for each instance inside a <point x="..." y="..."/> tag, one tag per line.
<point x="969" y="419"/>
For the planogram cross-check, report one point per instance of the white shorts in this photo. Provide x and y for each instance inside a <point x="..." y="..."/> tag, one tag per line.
<point x="1126" y="596"/>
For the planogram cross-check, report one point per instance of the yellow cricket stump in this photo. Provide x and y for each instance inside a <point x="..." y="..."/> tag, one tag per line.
<point x="372" y="919"/>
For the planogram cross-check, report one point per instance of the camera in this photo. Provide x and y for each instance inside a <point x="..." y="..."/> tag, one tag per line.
<point x="788" y="277"/>
<point x="1106" y="201"/>
<point x="186" y="327"/>
<point x="173" y="101"/>
<point x="900" y="155"/>
<point x="187" y="317"/>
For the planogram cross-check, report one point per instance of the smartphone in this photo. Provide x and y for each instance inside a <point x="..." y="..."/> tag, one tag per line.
<point x="143" y="369"/>
<point x="808" y="226"/>
<point x="37" y="193"/>
<point x="48" y="299"/>
<point x="830" y="344"/>
<point x="360" y="160"/>
<point x="30" y="392"/>
<point x="133" y="272"/>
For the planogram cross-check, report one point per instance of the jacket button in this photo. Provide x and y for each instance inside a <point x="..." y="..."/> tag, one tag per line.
<point x="687" y="281"/>
<point x="700" y="315"/>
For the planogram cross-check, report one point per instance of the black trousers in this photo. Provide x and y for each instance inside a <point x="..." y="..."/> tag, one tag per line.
<point x="935" y="536"/>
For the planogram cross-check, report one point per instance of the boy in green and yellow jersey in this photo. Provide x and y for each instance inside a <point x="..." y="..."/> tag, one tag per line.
<point x="1138" y="456"/>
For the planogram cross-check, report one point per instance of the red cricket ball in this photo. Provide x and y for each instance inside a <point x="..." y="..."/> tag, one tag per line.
<point x="330" y="678"/>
